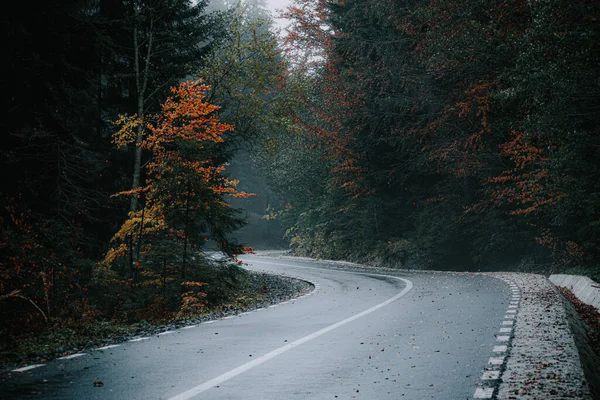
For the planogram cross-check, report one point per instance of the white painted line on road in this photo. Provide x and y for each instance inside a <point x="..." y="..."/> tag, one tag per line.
<point x="483" y="393"/>
<point x="166" y="332"/>
<point x="208" y="322"/>
<point x="512" y="306"/>
<point x="491" y="375"/>
<point x="509" y="316"/>
<point x="500" y="349"/>
<point x="502" y="338"/>
<point x="496" y="360"/>
<point x="110" y="346"/>
<point x="511" y="311"/>
<point x="260" y="360"/>
<point x="189" y="327"/>
<point x="72" y="356"/>
<point x="27" y="368"/>
<point x="507" y="322"/>
<point x="139" y="339"/>
<point x="505" y="330"/>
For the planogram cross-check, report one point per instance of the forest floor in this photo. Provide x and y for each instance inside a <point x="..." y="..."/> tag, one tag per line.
<point x="260" y="290"/>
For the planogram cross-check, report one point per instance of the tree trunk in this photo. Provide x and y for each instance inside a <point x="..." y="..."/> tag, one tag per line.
<point x="185" y="239"/>
<point x="141" y="82"/>
<point x="140" y="236"/>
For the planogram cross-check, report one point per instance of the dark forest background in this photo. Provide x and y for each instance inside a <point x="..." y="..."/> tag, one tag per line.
<point x="432" y="134"/>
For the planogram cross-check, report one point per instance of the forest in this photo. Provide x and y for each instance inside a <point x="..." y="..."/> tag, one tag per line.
<point x="142" y="136"/>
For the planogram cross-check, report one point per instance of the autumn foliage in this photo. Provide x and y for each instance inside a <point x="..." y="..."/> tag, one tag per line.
<point x="468" y="124"/>
<point x="182" y="197"/>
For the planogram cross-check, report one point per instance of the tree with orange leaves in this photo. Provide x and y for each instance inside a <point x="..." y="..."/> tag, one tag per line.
<point x="183" y="202"/>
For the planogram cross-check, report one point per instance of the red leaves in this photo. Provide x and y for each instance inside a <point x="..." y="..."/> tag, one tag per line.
<point x="526" y="186"/>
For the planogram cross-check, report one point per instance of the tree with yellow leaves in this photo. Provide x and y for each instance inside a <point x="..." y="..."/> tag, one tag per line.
<point x="182" y="203"/>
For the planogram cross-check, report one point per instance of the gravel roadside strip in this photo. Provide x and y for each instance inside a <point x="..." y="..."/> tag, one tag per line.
<point x="542" y="360"/>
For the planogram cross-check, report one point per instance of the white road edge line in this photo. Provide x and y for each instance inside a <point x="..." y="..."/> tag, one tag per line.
<point x="72" y="356"/>
<point x="27" y="368"/>
<point x="138" y="339"/>
<point x="490" y="375"/>
<point x="110" y="346"/>
<point x="484" y="393"/>
<point x="260" y="360"/>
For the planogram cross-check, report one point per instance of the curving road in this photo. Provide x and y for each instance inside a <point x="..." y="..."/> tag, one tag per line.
<point x="358" y="335"/>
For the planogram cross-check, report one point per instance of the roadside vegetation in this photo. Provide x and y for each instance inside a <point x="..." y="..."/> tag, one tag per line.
<point x="445" y="134"/>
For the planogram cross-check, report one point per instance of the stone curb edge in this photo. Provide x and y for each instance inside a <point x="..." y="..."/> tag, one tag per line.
<point x="583" y="287"/>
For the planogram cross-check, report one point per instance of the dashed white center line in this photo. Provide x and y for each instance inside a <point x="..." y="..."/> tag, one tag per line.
<point x="503" y="338"/>
<point x="499" y="349"/>
<point x="505" y="330"/>
<point x="511" y="311"/>
<point x="507" y="322"/>
<point x="27" y="368"/>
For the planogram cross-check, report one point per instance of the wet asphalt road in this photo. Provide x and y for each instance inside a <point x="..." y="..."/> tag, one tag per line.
<point x="429" y="341"/>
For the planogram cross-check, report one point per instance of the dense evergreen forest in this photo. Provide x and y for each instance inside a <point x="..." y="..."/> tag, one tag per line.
<point x="433" y="134"/>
